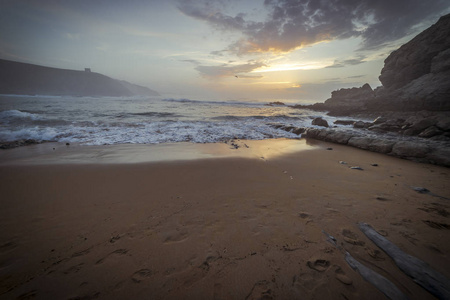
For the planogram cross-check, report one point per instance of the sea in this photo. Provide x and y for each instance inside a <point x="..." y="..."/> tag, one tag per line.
<point x="144" y="120"/>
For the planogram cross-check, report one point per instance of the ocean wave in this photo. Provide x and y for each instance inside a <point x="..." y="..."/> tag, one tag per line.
<point x="155" y="114"/>
<point x="9" y="115"/>
<point x="231" y="102"/>
<point x="149" y="133"/>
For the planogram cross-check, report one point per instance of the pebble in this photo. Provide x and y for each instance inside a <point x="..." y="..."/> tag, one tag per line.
<point x="342" y="162"/>
<point x="356" y="168"/>
<point x="421" y="190"/>
<point x="329" y="148"/>
<point x="374" y="165"/>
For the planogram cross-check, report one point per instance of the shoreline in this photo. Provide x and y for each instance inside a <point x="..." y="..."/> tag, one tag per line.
<point x="231" y="226"/>
<point x="61" y="153"/>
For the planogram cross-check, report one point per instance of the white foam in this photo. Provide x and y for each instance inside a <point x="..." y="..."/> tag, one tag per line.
<point x="8" y="115"/>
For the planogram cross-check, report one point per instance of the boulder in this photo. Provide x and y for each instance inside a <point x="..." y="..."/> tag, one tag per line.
<point x="361" y="124"/>
<point x="410" y="149"/>
<point x="320" y="122"/>
<point x="360" y="142"/>
<point x="440" y="156"/>
<point x="430" y="132"/>
<point x="443" y="124"/>
<point x="381" y="146"/>
<point x="344" y="122"/>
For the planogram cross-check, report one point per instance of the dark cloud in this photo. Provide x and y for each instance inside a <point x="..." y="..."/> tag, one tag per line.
<point x="226" y="70"/>
<point x="352" y="62"/>
<point x="291" y="24"/>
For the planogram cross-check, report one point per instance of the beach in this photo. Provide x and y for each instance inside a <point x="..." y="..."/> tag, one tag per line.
<point x="214" y="221"/>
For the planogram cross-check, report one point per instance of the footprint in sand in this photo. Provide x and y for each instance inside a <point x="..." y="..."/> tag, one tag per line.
<point x="141" y="275"/>
<point x="7" y="247"/>
<point x="340" y="275"/>
<point x="320" y="265"/>
<point x="116" y="252"/>
<point x="174" y="236"/>
<point x="436" y="225"/>
<point x="351" y="238"/>
<point x="73" y="269"/>
<point x="29" y="295"/>
<point x="261" y="290"/>
<point x="81" y="253"/>
<point x="375" y="253"/>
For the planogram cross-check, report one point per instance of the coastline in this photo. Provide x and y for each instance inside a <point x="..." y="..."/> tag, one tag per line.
<point x="212" y="221"/>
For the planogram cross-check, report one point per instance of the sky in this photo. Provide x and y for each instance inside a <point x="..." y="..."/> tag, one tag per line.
<point x="246" y="50"/>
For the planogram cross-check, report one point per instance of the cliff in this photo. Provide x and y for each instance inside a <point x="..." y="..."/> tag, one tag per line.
<point x="415" y="77"/>
<point x="29" y="79"/>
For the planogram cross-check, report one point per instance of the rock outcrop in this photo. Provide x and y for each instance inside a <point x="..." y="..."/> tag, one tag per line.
<point x="28" y="79"/>
<point x="412" y="106"/>
<point x="414" y="77"/>
<point x="417" y="75"/>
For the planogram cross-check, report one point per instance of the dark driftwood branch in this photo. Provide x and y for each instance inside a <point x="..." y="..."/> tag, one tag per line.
<point x="381" y="283"/>
<point x="418" y="270"/>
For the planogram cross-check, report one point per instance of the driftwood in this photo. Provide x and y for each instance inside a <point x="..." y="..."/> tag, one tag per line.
<point x="383" y="284"/>
<point x="431" y="280"/>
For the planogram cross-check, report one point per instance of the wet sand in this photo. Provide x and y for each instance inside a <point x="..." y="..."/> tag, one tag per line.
<point x="213" y="222"/>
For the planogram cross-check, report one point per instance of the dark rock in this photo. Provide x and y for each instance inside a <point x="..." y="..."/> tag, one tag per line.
<point x="298" y="130"/>
<point x="415" y="77"/>
<point x="381" y="146"/>
<point x="361" y="124"/>
<point x="419" y="71"/>
<point x="410" y="149"/>
<point x="444" y="124"/>
<point x="344" y="122"/>
<point x="379" y="120"/>
<point x="329" y="148"/>
<point x="18" y="143"/>
<point x="320" y="122"/>
<point x="360" y="142"/>
<point x="275" y="103"/>
<point x="430" y="132"/>
<point x="440" y="156"/>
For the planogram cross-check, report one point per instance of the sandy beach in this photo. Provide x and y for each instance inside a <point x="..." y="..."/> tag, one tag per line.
<point x="213" y="222"/>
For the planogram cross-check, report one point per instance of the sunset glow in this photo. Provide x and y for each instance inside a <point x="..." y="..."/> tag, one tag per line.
<point x="198" y="49"/>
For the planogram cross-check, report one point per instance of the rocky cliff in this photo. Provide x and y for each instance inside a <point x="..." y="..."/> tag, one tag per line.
<point x="415" y="77"/>
<point x="29" y="79"/>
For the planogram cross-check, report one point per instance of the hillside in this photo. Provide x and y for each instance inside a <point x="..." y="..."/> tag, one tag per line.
<point x="28" y="79"/>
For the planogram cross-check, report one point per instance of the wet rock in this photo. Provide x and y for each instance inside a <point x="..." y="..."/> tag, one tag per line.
<point x="440" y="156"/>
<point x="344" y="122"/>
<point x="410" y="149"/>
<point x="320" y="122"/>
<point x="361" y="124"/>
<point x="381" y="146"/>
<point x="444" y="124"/>
<point x="430" y="132"/>
<point x="18" y="143"/>
<point x="379" y="120"/>
<point x="360" y="142"/>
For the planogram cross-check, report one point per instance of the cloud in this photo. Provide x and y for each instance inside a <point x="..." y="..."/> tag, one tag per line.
<point x="192" y="61"/>
<point x="352" y="62"/>
<point x="292" y="24"/>
<point x="226" y="70"/>
<point x="357" y="76"/>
